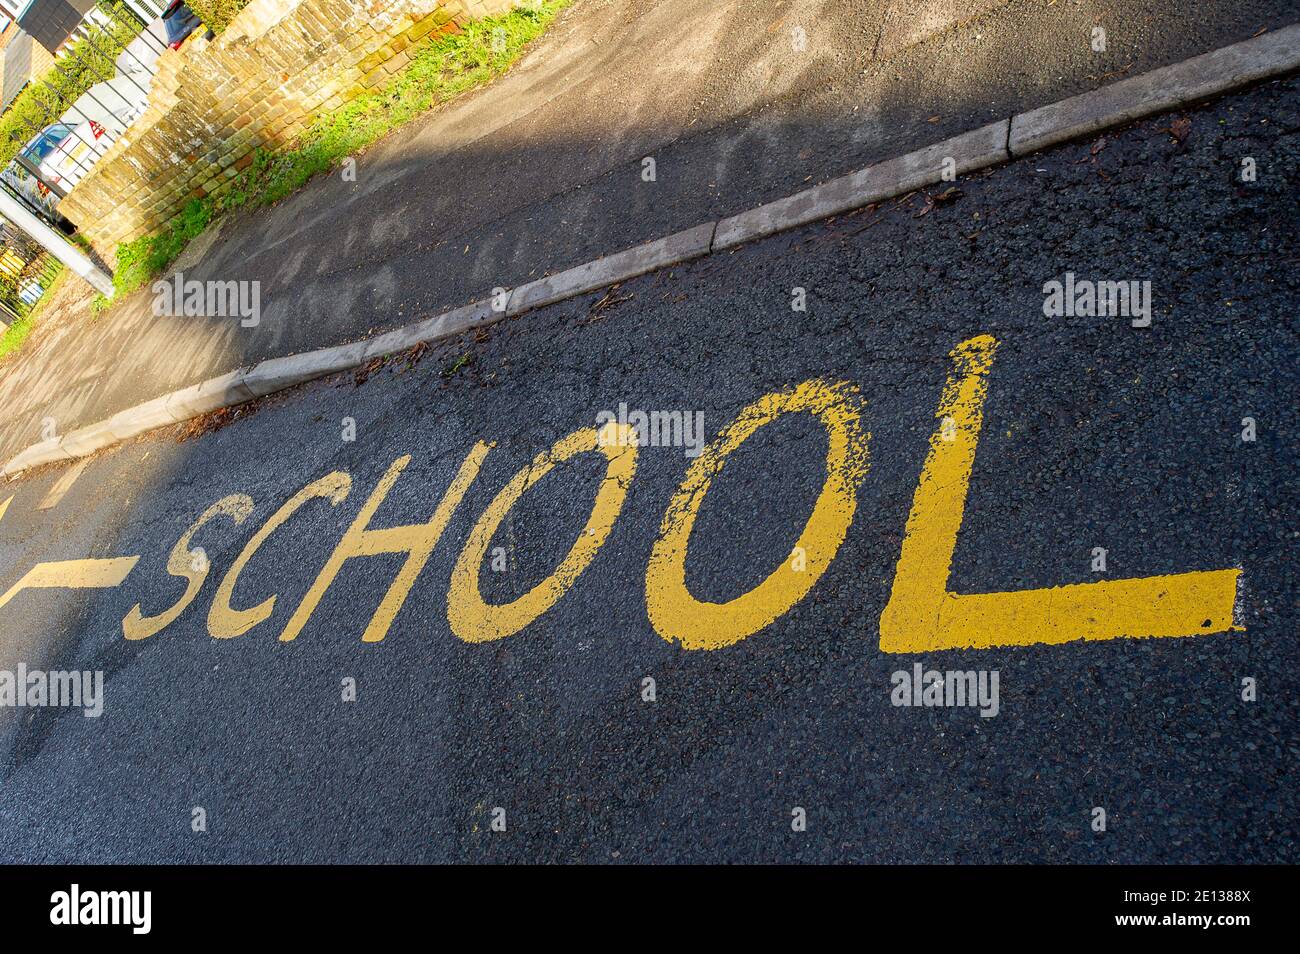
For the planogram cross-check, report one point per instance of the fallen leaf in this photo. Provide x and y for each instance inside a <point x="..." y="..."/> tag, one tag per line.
<point x="366" y="370"/>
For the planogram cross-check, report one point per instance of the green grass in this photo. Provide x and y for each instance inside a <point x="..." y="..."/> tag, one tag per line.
<point x="217" y="14"/>
<point x="144" y="258"/>
<point x="443" y="68"/>
<point x="16" y="334"/>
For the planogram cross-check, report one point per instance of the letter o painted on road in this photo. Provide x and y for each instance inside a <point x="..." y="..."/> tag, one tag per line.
<point x="476" y="621"/>
<point x="677" y="615"/>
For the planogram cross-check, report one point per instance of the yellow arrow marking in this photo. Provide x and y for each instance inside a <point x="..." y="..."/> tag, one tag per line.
<point x="922" y="615"/>
<point x="74" y="574"/>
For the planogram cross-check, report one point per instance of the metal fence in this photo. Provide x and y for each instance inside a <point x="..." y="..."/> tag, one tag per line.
<point x="98" y="85"/>
<point x="26" y="273"/>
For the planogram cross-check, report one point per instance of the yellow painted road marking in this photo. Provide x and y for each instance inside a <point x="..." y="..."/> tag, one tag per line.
<point x="63" y="485"/>
<point x="476" y="621"/>
<point x="922" y="615"/>
<point x="225" y="622"/>
<point x="72" y="574"/>
<point x="183" y="563"/>
<point x="416" y="540"/>
<point x="677" y="615"/>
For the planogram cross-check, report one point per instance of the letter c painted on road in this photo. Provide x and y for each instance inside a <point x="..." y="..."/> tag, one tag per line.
<point x="225" y="622"/>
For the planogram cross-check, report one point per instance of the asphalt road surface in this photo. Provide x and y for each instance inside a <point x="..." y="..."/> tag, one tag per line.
<point x="536" y="716"/>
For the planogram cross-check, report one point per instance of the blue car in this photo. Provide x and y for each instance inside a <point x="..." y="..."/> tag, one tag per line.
<point x="180" y="21"/>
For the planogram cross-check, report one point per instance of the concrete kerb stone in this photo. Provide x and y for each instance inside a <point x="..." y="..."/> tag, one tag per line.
<point x="277" y="374"/>
<point x="141" y="418"/>
<point x="399" y="340"/>
<point x="45" y="452"/>
<point x="222" y="391"/>
<point x="972" y="150"/>
<point x="648" y="257"/>
<point x="86" y="440"/>
<point x="1181" y="84"/>
<point x="473" y="315"/>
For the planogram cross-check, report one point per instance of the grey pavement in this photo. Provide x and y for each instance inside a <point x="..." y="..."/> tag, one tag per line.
<point x="542" y="170"/>
<point x="1096" y="433"/>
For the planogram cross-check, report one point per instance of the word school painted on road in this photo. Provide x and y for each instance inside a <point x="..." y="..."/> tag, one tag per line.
<point x="921" y="615"/>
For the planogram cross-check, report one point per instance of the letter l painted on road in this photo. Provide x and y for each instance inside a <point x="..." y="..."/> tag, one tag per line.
<point x="923" y="615"/>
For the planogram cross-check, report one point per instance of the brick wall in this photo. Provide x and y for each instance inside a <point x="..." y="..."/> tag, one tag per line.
<point x="259" y="83"/>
